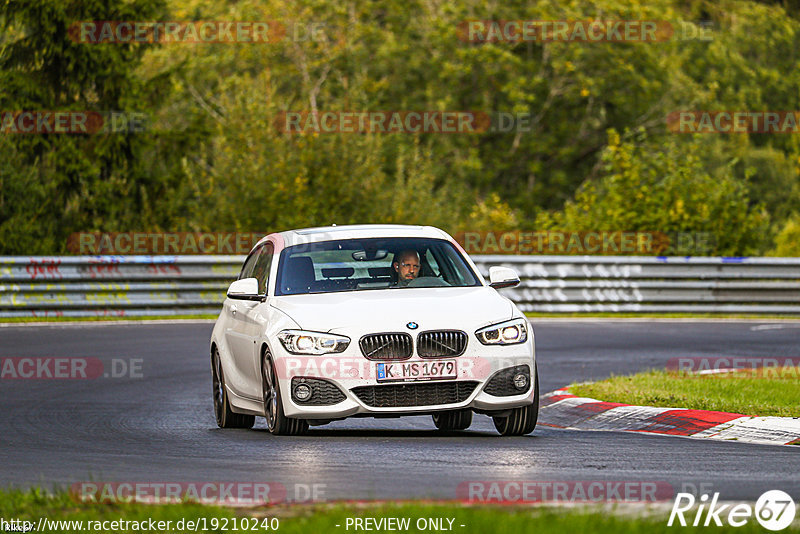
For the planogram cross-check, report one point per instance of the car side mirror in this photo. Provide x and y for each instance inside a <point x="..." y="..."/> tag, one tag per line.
<point x="244" y="289"/>
<point x="502" y="277"/>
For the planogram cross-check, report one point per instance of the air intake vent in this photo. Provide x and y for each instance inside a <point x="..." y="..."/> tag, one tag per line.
<point x="440" y="343"/>
<point x="388" y="346"/>
<point x="404" y="395"/>
<point x="323" y="393"/>
<point x="501" y="384"/>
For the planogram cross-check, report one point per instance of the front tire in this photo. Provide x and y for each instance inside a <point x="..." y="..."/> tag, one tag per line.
<point x="277" y="423"/>
<point x="522" y="420"/>
<point x="226" y="418"/>
<point x="453" y="419"/>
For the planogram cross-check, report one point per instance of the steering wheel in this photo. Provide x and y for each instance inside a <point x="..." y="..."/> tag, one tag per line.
<point x="427" y="281"/>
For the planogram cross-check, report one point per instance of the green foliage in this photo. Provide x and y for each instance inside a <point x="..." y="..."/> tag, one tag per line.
<point x="665" y="187"/>
<point x="289" y="181"/>
<point x="787" y="242"/>
<point x="494" y="214"/>
<point x="488" y="517"/>
<point x="56" y="183"/>
<point x="213" y="159"/>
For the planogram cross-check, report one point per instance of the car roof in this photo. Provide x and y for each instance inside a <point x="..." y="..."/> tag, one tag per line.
<point x="357" y="231"/>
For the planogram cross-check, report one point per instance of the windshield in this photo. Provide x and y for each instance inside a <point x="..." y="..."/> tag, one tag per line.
<point x="368" y="264"/>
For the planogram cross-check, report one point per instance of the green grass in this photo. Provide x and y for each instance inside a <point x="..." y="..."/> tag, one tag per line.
<point x="33" y="504"/>
<point x="773" y="392"/>
<point x="324" y="518"/>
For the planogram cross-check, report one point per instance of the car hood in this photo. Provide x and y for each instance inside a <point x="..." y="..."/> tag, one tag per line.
<point x="393" y="309"/>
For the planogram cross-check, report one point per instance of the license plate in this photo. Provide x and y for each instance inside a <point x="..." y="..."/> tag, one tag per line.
<point x="386" y="372"/>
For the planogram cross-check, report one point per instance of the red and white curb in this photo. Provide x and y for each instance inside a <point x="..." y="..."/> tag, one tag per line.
<point x="561" y="409"/>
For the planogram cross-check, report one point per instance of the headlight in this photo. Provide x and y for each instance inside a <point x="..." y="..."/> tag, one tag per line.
<point x="507" y="333"/>
<point x="315" y="343"/>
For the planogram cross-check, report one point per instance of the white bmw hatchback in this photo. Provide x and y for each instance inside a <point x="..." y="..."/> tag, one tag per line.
<point x="371" y="321"/>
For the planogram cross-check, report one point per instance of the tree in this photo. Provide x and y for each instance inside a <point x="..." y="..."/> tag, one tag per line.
<point x="665" y="187"/>
<point x="54" y="184"/>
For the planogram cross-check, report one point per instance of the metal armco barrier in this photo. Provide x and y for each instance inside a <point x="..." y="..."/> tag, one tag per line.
<point x="114" y="286"/>
<point x="564" y="284"/>
<point x="80" y="286"/>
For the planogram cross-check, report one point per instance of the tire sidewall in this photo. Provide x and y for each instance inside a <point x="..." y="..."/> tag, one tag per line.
<point x="523" y="418"/>
<point x="278" y="419"/>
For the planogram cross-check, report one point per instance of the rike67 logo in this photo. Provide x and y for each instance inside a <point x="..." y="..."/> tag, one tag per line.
<point x="774" y="510"/>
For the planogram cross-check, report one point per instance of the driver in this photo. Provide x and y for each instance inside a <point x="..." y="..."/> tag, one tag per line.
<point x="406" y="265"/>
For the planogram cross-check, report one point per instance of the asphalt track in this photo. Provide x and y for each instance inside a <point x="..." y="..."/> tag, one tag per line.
<point x="160" y="427"/>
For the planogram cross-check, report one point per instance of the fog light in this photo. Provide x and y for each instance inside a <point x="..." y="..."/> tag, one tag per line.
<point x="302" y="392"/>
<point x="521" y="381"/>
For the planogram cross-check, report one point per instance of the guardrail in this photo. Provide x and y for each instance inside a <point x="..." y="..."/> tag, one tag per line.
<point x="562" y="284"/>
<point x="80" y="286"/>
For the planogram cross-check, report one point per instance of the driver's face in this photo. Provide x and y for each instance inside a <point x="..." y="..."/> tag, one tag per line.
<point x="408" y="267"/>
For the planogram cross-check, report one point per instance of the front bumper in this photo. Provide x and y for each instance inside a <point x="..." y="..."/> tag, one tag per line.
<point x="361" y="393"/>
